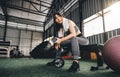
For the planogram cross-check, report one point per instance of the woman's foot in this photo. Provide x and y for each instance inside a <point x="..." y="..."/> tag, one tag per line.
<point x="74" y="67"/>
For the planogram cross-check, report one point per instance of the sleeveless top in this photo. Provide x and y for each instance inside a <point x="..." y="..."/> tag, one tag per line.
<point x="66" y="26"/>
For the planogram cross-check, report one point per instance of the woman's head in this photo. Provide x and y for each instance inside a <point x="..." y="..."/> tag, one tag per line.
<point x="58" y="18"/>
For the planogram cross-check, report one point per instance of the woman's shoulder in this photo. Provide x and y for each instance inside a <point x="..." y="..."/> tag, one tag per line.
<point x="70" y="21"/>
<point x="67" y="19"/>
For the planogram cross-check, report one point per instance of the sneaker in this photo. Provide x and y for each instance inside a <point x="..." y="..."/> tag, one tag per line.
<point x="51" y="63"/>
<point x="74" y="67"/>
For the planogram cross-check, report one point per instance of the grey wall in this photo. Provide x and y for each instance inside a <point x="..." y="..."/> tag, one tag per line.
<point x="26" y="40"/>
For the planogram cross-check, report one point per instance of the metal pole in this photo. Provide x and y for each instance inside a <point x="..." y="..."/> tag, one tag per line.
<point x="31" y="40"/>
<point x="5" y="28"/>
<point x="80" y="16"/>
<point x="4" y="9"/>
<point x="103" y="19"/>
<point x="43" y="31"/>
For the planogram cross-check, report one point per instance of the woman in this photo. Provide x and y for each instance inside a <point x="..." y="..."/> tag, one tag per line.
<point x="73" y="38"/>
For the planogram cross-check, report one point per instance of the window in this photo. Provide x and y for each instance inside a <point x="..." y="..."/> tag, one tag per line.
<point x="94" y="24"/>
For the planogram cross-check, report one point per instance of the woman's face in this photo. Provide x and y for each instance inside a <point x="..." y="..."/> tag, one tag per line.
<point x="58" y="19"/>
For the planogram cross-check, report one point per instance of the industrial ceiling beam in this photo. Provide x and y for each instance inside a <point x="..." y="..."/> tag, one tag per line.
<point x="25" y="9"/>
<point x="37" y="3"/>
<point x="37" y="8"/>
<point x="40" y="4"/>
<point x="22" y="20"/>
<point x="44" y="2"/>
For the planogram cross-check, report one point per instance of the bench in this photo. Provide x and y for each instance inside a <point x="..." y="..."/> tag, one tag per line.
<point x="4" y="48"/>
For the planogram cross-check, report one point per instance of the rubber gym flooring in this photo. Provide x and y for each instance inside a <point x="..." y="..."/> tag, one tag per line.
<point x="28" y="67"/>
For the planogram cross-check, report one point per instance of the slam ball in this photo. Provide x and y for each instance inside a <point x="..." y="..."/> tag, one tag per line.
<point x="111" y="53"/>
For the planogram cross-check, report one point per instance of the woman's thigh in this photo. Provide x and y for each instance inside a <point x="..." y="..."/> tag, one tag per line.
<point x="82" y="40"/>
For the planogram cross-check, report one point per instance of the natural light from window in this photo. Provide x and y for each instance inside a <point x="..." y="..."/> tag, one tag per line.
<point x="94" y="24"/>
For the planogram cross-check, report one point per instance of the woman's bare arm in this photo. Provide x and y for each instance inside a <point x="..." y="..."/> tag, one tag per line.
<point x="72" y="31"/>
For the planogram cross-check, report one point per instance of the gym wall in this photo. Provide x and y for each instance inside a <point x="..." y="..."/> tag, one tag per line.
<point x="25" y="40"/>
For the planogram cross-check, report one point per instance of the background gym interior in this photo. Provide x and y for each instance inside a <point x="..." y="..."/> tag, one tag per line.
<point x="24" y="24"/>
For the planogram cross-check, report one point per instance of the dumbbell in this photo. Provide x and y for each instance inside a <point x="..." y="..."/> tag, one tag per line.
<point x="54" y="39"/>
<point x="59" y="62"/>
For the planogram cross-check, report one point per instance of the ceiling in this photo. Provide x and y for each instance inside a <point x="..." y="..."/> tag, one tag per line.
<point x="27" y="12"/>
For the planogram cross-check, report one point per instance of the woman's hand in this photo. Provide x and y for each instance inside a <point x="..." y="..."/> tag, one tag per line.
<point x="58" y="41"/>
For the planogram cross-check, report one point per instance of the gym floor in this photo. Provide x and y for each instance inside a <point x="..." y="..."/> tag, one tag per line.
<point x="28" y="67"/>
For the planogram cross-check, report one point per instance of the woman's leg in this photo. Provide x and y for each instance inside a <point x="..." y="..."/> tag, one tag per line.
<point x="73" y="44"/>
<point x="82" y="40"/>
<point x="75" y="48"/>
<point x="75" y="52"/>
<point x="75" y="41"/>
<point x="58" y="47"/>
